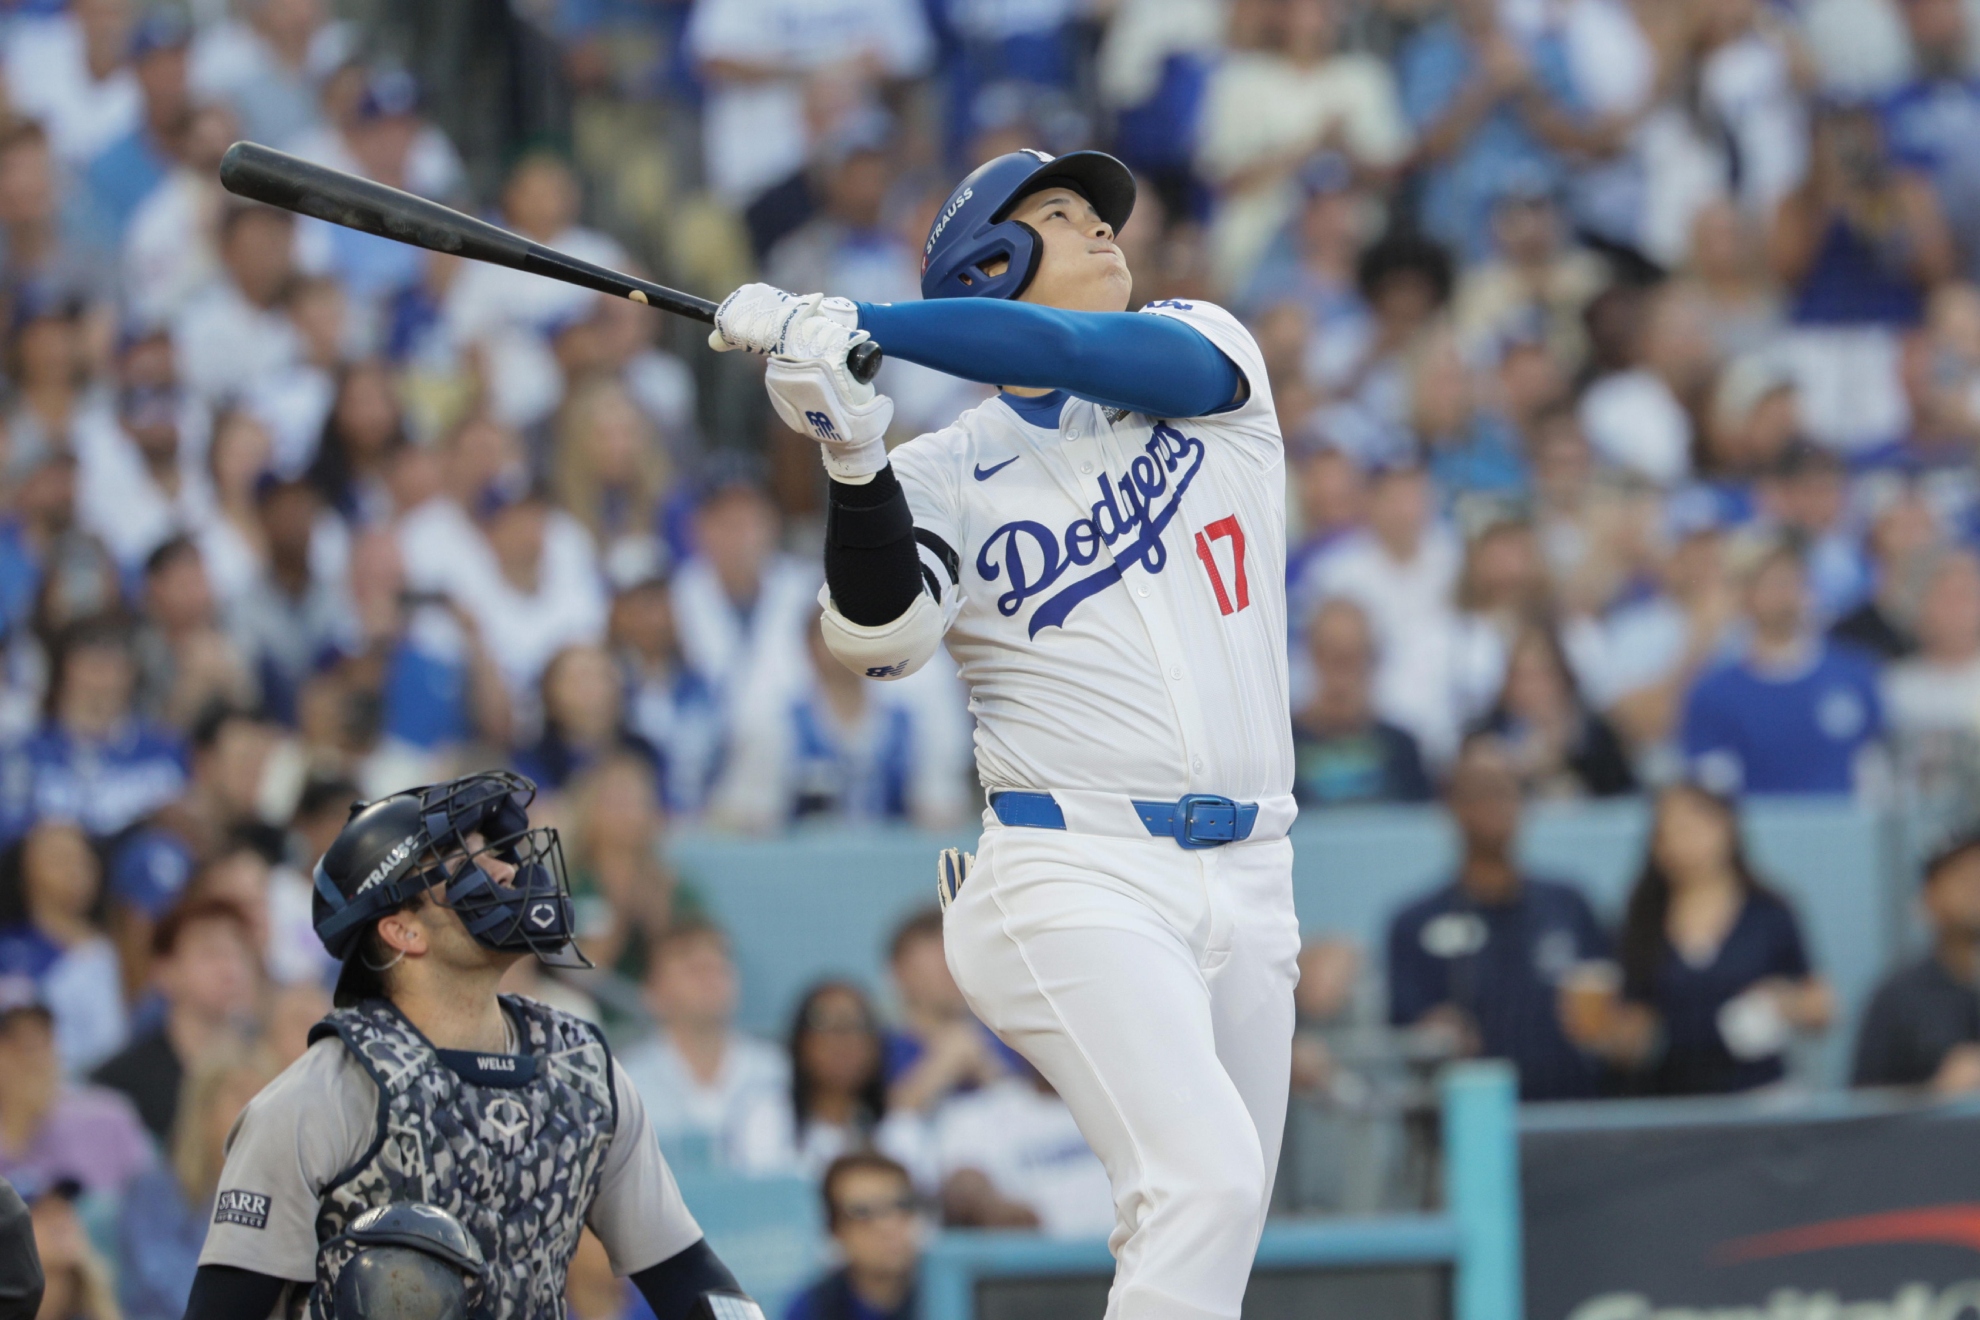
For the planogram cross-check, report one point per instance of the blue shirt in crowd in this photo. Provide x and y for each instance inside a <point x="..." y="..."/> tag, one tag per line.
<point x="1764" y="942"/>
<point x="1933" y="125"/>
<point x="102" y="786"/>
<point x="832" y="1298"/>
<point x="1746" y="731"/>
<point x="1459" y="192"/>
<point x="1502" y="965"/>
<point x="159" y="1236"/>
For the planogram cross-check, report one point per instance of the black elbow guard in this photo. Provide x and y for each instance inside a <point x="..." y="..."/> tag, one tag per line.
<point x="871" y="566"/>
<point x="695" y="1285"/>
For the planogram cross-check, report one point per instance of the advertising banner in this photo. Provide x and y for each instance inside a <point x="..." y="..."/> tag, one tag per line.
<point x="1873" y="1217"/>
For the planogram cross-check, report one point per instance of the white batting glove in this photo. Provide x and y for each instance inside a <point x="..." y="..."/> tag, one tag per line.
<point x="759" y="317"/>
<point x="817" y="396"/>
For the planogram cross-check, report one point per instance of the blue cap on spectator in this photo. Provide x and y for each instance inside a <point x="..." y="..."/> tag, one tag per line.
<point x="21" y="993"/>
<point x="388" y="94"/>
<point x="45" y="300"/>
<point x="164" y="28"/>
<point x="725" y="470"/>
<point x="1326" y="173"/>
<point x="505" y="492"/>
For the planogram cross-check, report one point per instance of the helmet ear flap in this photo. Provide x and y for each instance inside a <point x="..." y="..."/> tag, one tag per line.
<point x="1036" y="246"/>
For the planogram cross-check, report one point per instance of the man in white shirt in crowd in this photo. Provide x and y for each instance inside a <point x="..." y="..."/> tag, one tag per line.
<point x="507" y="315"/>
<point x="72" y="73"/>
<point x="1402" y="570"/>
<point x="740" y="603"/>
<point x="270" y="64"/>
<point x="756" y="56"/>
<point x="698" y="1075"/>
<point x="238" y="331"/>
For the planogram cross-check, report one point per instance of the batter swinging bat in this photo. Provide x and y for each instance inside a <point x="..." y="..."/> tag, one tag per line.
<point x="279" y="179"/>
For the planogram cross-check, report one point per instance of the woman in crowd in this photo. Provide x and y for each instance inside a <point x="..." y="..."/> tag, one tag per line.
<point x="584" y="713"/>
<point x="364" y="431"/>
<point x="624" y="890"/>
<point x="162" y="1222"/>
<point x="1716" y="981"/>
<point x="232" y="543"/>
<point x="838" y="1088"/>
<point x="1561" y="748"/>
<point x="77" y="1281"/>
<point x="62" y="945"/>
<point x="611" y="472"/>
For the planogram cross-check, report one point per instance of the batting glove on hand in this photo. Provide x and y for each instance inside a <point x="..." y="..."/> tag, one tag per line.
<point x="761" y="318"/>
<point x="818" y="397"/>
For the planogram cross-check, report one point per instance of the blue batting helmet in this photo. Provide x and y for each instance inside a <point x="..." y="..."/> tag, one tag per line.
<point x="974" y="227"/>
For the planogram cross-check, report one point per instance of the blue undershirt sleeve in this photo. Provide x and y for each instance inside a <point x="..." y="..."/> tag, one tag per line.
<point x="1147" y="364"/>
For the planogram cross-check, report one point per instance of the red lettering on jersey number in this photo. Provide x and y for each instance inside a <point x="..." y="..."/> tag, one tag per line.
<point x="1221" y="529"/>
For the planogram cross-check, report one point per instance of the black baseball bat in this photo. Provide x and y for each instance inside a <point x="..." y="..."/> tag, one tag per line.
<point x="263" y="174"/>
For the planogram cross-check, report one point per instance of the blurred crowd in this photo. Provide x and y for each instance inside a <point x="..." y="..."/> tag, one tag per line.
<point x="1628" y="358"/>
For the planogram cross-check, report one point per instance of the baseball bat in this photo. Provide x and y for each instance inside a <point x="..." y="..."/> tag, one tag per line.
<point x="263" y="174"/>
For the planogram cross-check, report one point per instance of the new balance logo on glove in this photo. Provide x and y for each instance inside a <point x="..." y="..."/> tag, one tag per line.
<point x="821" y="426"/>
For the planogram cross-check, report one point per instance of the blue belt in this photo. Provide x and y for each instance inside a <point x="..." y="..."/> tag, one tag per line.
<point x="1196" y="820"/>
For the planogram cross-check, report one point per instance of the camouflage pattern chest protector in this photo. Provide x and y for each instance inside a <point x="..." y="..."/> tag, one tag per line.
<point x="518" y="1164"/>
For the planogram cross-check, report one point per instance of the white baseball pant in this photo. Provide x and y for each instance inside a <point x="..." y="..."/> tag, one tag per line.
<point x="1152" y="986"/>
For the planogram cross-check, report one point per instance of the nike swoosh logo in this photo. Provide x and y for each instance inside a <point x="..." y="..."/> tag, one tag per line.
<point x="984" y="474"/>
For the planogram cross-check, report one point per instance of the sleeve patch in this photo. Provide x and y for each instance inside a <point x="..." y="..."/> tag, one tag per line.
<point x="247" y="1209"/>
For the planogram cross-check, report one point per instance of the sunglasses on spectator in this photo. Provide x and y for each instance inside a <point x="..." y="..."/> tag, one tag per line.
<point x="870" y="1212"/>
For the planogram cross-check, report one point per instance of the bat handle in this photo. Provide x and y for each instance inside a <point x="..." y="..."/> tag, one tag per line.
<point x="864" y="361"/>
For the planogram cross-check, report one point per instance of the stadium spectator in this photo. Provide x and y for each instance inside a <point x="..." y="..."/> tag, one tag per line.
<point x="269" y="63"/>
<point x="206" y="968"/>
<point x="1559" y="747"/>
<point x="1270" y="105"/>
<point x="1639" y="416"/>
<point x="1402" y="570"/>
<point x="1479" y="963"/>
<point x="186" y="662"/>
<point x="79" y="1281"/>
<point x="611" y="472"/>
<point x="584" y="721"/>
<point x="1930" y="122"/>
<point x="1794" y="712"/>
<point x="1858" y="245"/>
<point x="625" y="892"/>
<point x="162" y="1222"/>
<point x="237" y="331"/>
<point x="1922" y="1026"/>
<point x="938" y="1048"/>
<point x="839" y="744"/>
<point x="838" y="1092"/>
<point x="42" y="246"/>
<point x="292" y="618"/>
<point x="698" y="1076"/>
<point x="741" y="607"/>
<point x="1343" y="752"/>
<point x="363" y="430"/>
<point x="761" y="59"/>
<point x="50" y="1129"/>
<point x="1932" y="699"/>
<point x="228" y="536"/>
<point x="1008" y="1155"/>
<point x="119" y="176"/>
<point x="71" y="72"/>
<point x="1716" y="982"/>
<point x="1536" y="282"/>
<point x="61" y="945"/>
<point x="1804" y="498"/>
<point x="1901" y="543"/>
<point x="669" y="704"/>
<point x="874" y="1218"/>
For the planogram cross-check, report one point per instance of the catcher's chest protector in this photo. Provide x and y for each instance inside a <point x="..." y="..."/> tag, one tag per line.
<point x="514" y="1149"/>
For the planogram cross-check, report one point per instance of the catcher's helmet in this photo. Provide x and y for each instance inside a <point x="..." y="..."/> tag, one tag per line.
<point x="413" y="1262"/>
<point x="398" y="847"/>
<point x="974" y="227"/>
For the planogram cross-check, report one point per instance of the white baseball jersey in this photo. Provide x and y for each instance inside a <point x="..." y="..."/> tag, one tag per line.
<point x="1116" y="597"/>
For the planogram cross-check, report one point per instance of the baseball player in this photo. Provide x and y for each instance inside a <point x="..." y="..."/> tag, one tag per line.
<point x="424" y="1087"/>
<point x="1102" y="548"/>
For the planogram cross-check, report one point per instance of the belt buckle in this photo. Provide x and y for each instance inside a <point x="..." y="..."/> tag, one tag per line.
<point x="1205" y="820"/>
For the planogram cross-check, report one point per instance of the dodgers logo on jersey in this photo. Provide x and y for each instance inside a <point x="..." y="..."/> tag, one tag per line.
<point x="1139" y="503"/>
